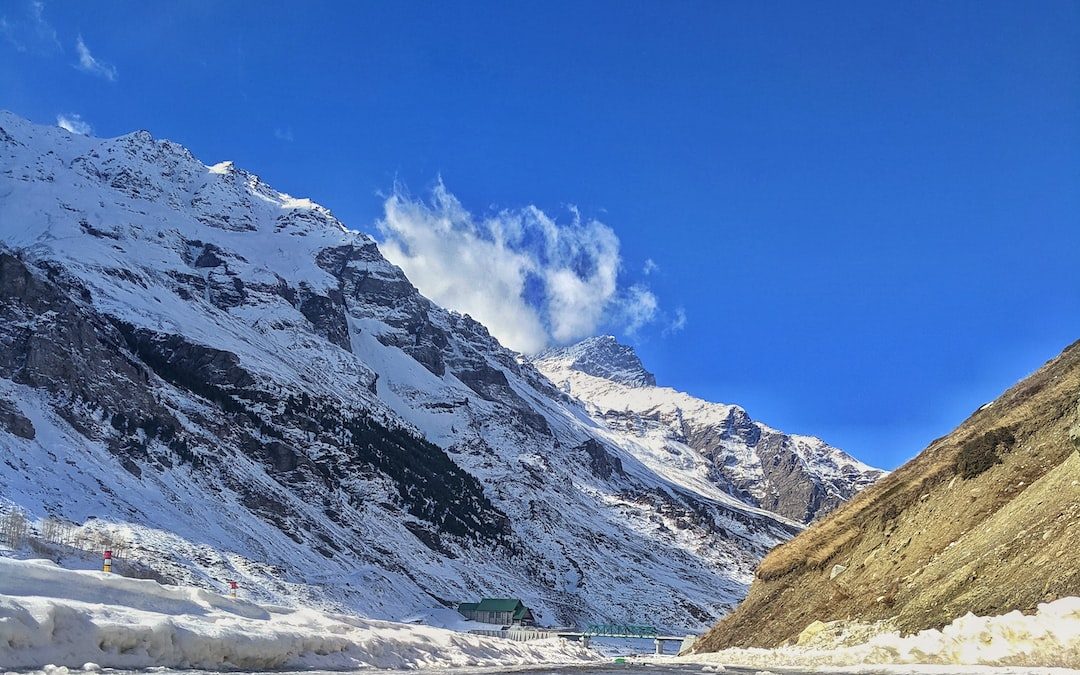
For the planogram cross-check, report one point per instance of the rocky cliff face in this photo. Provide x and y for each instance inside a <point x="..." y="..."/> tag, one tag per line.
<point x="231" y="379"/>
<point x="698" y="442"/>
<point x="985" y="520"/>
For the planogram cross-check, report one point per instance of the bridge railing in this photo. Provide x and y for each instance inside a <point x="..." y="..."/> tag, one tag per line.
<point x="621" y="630"/>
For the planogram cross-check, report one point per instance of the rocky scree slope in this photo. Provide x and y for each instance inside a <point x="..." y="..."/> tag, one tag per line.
<point x="229" y="378"/>
<point x="699" y="443"/>
<point x="985" y="520"/>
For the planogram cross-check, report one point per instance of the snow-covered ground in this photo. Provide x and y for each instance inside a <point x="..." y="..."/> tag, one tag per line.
<point x="1048" y="638"/>
<point x="55" y="616"/>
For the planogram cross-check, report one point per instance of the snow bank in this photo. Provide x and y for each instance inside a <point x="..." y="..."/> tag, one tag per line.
<point x="50" y="615"/>
<point x="1048" y="638"/>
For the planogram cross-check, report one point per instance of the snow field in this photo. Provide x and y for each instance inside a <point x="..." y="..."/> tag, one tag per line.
<point x="1050" y="638"/>
<point x="75" y="619"/>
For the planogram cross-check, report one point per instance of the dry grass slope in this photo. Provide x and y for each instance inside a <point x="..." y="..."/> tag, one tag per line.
<point x="984" y="520"/>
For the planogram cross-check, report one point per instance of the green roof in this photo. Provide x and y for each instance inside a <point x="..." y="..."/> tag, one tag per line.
<point x="499" y="605"/>
<point x="467" y="606"/>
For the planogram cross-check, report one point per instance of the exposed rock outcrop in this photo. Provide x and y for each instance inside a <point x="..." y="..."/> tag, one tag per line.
<point x="985" y="520"/>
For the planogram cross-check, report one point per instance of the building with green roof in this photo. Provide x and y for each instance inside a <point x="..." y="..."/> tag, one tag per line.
<point x="501" y="611"/>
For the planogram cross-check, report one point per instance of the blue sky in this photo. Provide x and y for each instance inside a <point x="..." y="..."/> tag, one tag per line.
<point x="868" y="213"/>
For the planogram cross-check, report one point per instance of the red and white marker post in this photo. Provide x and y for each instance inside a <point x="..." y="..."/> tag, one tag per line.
<point x="106" y="562"/>
<point x="232" y="589"/>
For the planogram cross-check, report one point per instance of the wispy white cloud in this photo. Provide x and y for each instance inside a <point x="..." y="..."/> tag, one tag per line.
<point x="74" y="123"/>
<point x="27" y="30"/>
<point x="677" y="323"/>
<point x="649" y="267"/>
<point x="284" y="134"/>
<point x="638" y="308"/>
<point x="529" y="279"/>
<point x="89" y="64"/>
<point x="8" y="31"/>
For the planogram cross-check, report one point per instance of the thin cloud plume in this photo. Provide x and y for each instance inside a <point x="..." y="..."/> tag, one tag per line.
<point x="74" y="123"/>
<point x="28" y="31"/>
<point x="677" y="323"/>
<point x="638" y="307"/>
<point x="89" y="64"/>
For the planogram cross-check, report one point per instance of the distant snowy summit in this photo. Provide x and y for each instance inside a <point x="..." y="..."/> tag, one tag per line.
<point x="699" y="442"/>
<point x="603" y="357"/>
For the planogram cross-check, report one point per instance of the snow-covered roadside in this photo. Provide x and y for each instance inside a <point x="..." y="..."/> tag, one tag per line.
<point x="880" y="669"/>
<point x="1049" y="638"/>
<point x="50" y="615"/>
<point x="948" y="670"/>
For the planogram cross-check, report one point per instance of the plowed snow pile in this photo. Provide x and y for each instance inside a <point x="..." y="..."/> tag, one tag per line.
<point x="50" y="615"/>
<point x="1048" y="638"/>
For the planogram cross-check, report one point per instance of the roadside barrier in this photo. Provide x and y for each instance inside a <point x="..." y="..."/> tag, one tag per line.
<point x="516" y="634"/>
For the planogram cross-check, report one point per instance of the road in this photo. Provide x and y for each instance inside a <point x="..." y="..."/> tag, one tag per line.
<point x="654" y="669"/>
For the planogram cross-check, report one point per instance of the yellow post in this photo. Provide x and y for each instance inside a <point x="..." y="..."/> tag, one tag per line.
<point x="107" y="562"/>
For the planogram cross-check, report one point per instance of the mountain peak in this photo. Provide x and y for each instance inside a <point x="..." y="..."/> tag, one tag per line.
<point x="601" y="356"/>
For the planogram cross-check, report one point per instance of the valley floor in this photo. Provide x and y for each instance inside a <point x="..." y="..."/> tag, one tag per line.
<point x="55" y="621"/>
<point x="646" y="668"/>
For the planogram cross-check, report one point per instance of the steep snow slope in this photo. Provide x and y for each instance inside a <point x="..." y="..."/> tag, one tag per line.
<point x="699" y="443"/>
<point x="245" y="388"/>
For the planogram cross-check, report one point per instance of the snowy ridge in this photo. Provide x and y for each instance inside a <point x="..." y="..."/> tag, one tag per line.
<point x="244" y="388"/>
<point x="699" y="443"/>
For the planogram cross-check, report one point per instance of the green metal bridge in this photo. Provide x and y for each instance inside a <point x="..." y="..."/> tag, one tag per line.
<point x="625" y="631"/>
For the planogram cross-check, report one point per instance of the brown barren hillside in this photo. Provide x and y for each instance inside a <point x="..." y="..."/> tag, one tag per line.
<point x="984" y="520"/>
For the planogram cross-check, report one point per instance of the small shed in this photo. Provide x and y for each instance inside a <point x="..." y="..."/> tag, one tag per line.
<point x="501" y="611"/>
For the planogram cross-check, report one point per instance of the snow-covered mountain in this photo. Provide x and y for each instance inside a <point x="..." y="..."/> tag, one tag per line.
<point x="695" y="442"/>
<point x="246" y="389"/>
